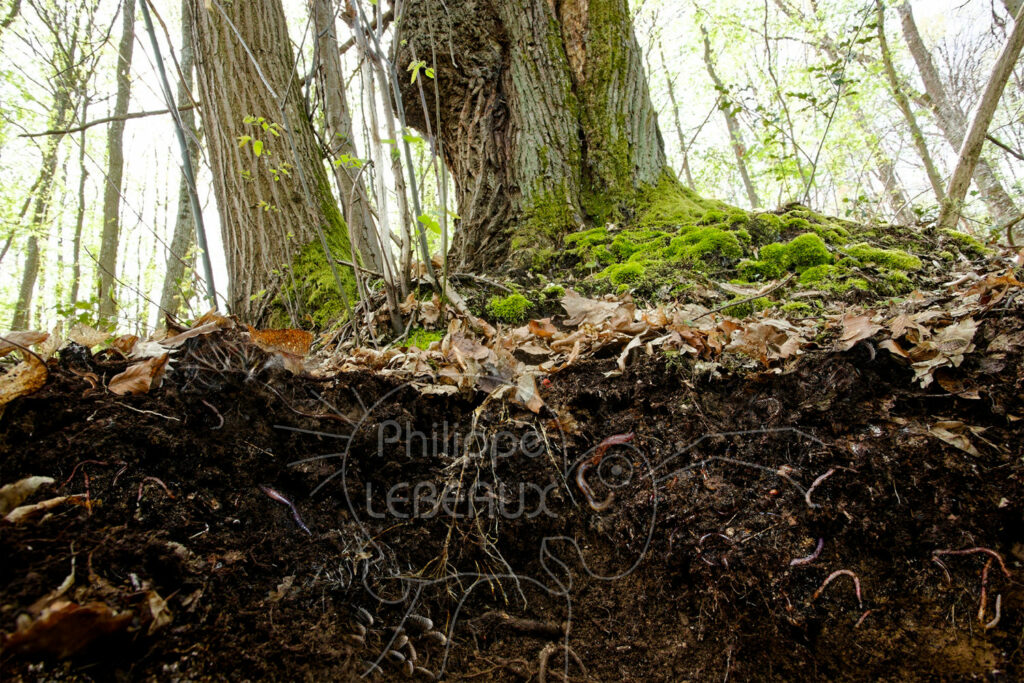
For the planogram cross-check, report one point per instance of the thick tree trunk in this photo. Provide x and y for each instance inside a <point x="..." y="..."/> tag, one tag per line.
<point x="181" y="256"/>
<point x="970" y="151"/>
<point x="735" y="134"/>
<point x="545" y="116"/>
<point x="273" y="194"/>
<point x="952" y="120"/>
<point x="110" y="239"/>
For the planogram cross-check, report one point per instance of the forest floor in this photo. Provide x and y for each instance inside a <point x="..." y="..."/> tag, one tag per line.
<point x="613" y="494"/>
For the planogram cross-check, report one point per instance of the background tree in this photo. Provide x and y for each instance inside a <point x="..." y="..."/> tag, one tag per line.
<point x="110" y="240"/>
<point x="276" y="209"/>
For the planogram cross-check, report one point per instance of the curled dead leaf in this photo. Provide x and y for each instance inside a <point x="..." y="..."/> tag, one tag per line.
<point x="296" y="342"/>
<point x="87" y="336"/>
<point x="582" y="310"/>
<point x="140" y="377"/>
<point x="25" y="378"/>
<point x="856" y="328"/>
<point x="17" y="340"/>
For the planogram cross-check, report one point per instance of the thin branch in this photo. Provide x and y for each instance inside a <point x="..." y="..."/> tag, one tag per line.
<point x="108" y="119"/>
<point x="999" y="143"/>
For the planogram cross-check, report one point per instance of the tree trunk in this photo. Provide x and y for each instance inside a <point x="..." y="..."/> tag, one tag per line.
<point x="40" y="203"/>
<point x="110" y="240"/>
<point x="735" y="134"/>
<point x="181" y="256"/>
<point x="903" y="103"/>
<point x="545" y="117"/>
<point x="1013" y="6"/>
<point x="83" y="175"/>
<point x="273" y="195"/>
<point x="341" y="141"/>
<point x="970" y="151"/>
<point x="952" y="120"/>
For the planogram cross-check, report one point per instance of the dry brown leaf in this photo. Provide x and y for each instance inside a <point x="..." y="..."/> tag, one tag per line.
<point x="954" y="433"/>
<point x="140" y="377"/>
<point x="125" y="343"/>
<point x="959" y="386"/>
<point x="527" y="394"/>
<point x="13" y="495"/>
<point x="87" y="335"/>
<point x="16" y="340"/>
<point x="158" y="610"/>
<point x="25" y="378"/>
<point x="582" y="310"/>
<point x="624" y="356"/>
<point x="542" y="328"/>
<point x="212" y="316"/>
<point x="296" y="342"/>
<point x="65" y="628"/>
<point x="856" y="328"/>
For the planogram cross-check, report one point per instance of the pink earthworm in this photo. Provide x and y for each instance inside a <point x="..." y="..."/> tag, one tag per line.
<point x="275" y="495"/>
<point x="837" y="573"/>
<point x="810" y="558"/>
<point x="970" y="551"/>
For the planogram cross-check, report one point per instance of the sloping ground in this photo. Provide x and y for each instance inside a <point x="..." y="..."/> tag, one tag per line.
<point x="546" y="500"/>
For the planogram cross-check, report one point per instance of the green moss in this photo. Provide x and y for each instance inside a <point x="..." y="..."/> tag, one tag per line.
<point x="309" y="284"/>
<point x="511" y="309"/>
<point x="554" y="291"/>
<point x="587" y="238"/>
<point x="965" y="244"/>
<point x="712" y="217"/>
<point x="669" y="204"/>
<point x="737" y="217"/>
<point x="807" y="250"/>
<point x="629" y="243"/>
<point x="796" y="307"/>
<point x="624" y="273"/>
<point x="758" y="270"/>
<point x="887" y="258"/>
<point x="706" y="246"/>
<point x="946" y="256"/>
<point x="421" y="338"/>
<point x="816" y="274"/>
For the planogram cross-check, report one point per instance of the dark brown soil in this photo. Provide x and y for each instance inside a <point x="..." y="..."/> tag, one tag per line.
<point x="686" y="575"/>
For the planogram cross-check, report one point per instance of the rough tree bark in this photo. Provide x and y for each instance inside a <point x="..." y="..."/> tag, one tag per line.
<point x="970" y="151"/>
<point x="273" y="193"/>
<point x="952" y="120"/>
<point x="180" y="256"/>
<point x="110" y="240"/>
<point x="735" y="134"/>
<point x="546" y="118"/>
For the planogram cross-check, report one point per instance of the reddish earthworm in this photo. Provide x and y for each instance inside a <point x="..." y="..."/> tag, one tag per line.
<point x="837" y="573"/>
<point x="970" y="551"/>
<point x="274" y="495"/>
<point x="807" y="496"/>
<point x="593" y="461"/>
<point x="810" y="558"/>
<point x="862" y="618"/>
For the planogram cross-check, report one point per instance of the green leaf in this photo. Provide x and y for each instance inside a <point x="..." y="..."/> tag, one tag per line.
<point x="243" y="139"/>
<point x="430" y="223"/>
<point x="257" y="147"/>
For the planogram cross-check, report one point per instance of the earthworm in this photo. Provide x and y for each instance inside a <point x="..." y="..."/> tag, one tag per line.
<point x="984" y="585"/>
<point x="810" y="558"/>
<point x="807" y="496"/>
<point x="593" y="461"/>
<point x="862" y="618"/>
<point x="995" y="620"/>
<point x="837" y="573"/>
<point x="281" y="499"/>
<point x="969" y="551"/>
